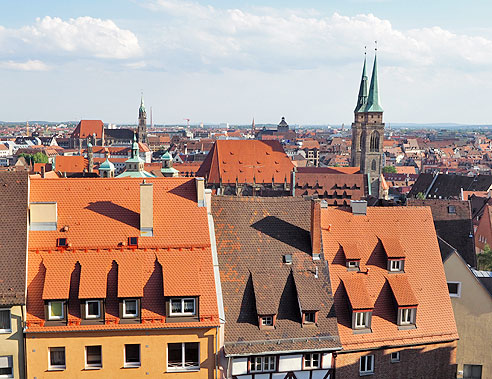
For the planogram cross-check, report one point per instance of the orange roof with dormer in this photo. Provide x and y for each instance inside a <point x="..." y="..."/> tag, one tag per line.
<point x="96" y="217"/>
<point x="246" y="161"/>
<point x="382" y="233"/>
<point x="86" y="128"/>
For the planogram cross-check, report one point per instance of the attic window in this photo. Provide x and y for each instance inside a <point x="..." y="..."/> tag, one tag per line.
<point x="133" y="241"/>
<point x="406" y="316"/>
<point x="287" y="258"/>
<point x="61" y="242"/>
<point x="353" y="265"/>
<point x="361" y="320"/>
<point x="309" y="318"/>
<point x="451" y="209"/>
<point x="395" y="265"/>
<point x="267" y="321"/>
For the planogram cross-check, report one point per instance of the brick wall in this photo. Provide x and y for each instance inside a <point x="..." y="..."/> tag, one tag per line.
<point x="424" y="361"/>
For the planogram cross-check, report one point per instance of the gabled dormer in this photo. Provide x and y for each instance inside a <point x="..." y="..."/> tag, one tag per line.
<point x="267" y="300"/>
<point x="360" y="304"/>
<point x="405" y="300"/>
<point x="309" y="297"/>
<point x="351" y="251"/>
<point x="395" y="255"/>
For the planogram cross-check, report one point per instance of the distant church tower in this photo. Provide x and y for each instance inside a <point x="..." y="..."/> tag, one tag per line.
<point x="142" y="122"/>
<point x="368" y="130"/>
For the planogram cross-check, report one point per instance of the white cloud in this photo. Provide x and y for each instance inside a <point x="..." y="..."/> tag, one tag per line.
<point x="275" y="39"/>
<point x="31" y="65"/>
<point x="82" y="37"/>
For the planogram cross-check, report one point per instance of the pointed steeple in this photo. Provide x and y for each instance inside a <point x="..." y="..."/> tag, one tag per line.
<point x="362" y="98"/>
<point x="373" y="98"/>
<point x="141" y="111"/>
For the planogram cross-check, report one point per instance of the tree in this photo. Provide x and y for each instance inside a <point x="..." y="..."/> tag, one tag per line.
<point x="389" y="170"/>
<point x="484" y="259"/>
<point x="420" y="196"/>
<point x="40" y="158"/>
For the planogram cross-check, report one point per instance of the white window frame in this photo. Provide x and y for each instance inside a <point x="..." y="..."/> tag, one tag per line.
<point x="353" y="264"/>
<point x="267" y="360"/>
<point x="9" y="329"/>
<point x="396" y="265"/>
<point x="130" y="315"/>
<point x="267" y="320"/>
<point x="404" y="314"/>
<point x="368" y="367"/>
<point x="50" y="317"/>
<point x="132" y="364"/>
<point x="87" y="315"/>
<point x="182" y="300"/>
<point x="183" y="363"/>
<point x="309" y="357"/>
<point x="56" y="367"/>
<point x="10" y="360"/>
<point x="93" y="366"/>
<point x="459" y="289"/>
<point x="362" y="321"/>
<point x="306" y="321"/>
<point x="452" y="208"/>
<point x="396" y="357"/>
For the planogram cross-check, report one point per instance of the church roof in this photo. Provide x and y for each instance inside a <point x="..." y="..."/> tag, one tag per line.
<point x="373" y="98"/>
<point x="362" y="98"/>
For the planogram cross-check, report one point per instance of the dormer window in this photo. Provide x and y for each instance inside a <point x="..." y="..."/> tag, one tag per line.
<point x="92" y="309"/>
<point x="451" y="209"/>
<point x="309" y="317"/>
<point x="353" y="265"/>
<point x="56" y="310"/>
<point x="130" y="308"/>
<point x="406" y="316"/>
<point x="182" y="307"/>
<point x="267" y="320"/>
<point x="395" y="265"/>
<point x="361" y="319"/>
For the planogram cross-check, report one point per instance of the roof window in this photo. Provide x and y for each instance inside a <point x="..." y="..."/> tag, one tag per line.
<point x="61" y="242"/>
<point x="43" y="216"/>
<point x="133" y="241"/>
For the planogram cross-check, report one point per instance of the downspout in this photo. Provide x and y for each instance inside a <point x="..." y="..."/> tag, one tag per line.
<point x="430" y="187"/>
<point x="216" y="352"/>
<point x="24" y="355"/>
<point x="229" y="368"/>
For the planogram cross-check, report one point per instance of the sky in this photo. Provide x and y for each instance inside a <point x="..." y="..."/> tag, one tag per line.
<point x="216" y="61"/>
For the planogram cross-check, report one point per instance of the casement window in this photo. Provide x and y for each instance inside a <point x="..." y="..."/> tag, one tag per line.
<point x="6" y="366"/>
<point x="361" y="320"/>
<point x="395" y="357"/>
<point x="312" y="360"/>
<point x="93" y="357"/>
<point x="472" y="371"/>
<point x="56" y="310"/>
<point x="454" y="289"/>
<point x="5" y="324"/>
<point x="182" y="307"/>
<point x="366" y="365"/>
<point x="263" y="363"/>
<point x="183" y="356"/>
<point x="451" y="209"/>
<point x="130" y="308"/>
<point x="57" y="358"/>
<point x="406" y="316"/>
<point x="353" y="265"/>
<point x="309" y="317"/>
<point x="132" y="355"/>
<point x="395" y="265"/>
<point x="92" y="309"/>
<point x="267" y="320"/>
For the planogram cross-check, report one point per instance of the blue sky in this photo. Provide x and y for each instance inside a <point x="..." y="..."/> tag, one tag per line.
<point x="230" y="61"/>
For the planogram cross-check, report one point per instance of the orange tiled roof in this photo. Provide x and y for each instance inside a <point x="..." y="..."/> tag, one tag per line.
<point x="246" y="161"/>
<point x="402" y="290"/>
<point x="69" y="163"/>
<point x="357" y="293"/>
<point x="392" y="247"/>
<point x="86" y="128"/>
<point x="174" y="273"/>
<point x="413" y="227"/>
<point x="351" y="251"/>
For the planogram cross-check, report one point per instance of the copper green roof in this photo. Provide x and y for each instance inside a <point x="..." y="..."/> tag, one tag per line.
<point x="373" y="98"/>
<point x="107" y="165"/>
<point x="362" y="98"/>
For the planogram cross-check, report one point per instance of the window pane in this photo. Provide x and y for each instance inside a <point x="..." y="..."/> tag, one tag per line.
<point x="315" y="360"/>
<point x="56" y="309"/>
<point x="189" y="306"/>
<point x="131" y="307"/>
<point x="57" y="356"/>
<point x="6" y="371"/>
<point x="132" y="353"/>
<point x="176" y="306"/>
<point x="5" y="319"/>
<point x="191" y="354"/>
<point x="272" y="363"/>
<point x="93" y="355"/>
<point x="307" y="360"/>
<point x="93" y="308"/>
<point x="453" y="288"/>
<point x="174" y="354"/>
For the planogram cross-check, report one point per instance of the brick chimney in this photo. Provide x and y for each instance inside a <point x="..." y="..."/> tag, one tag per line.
<point x="315" y="228"/>
<point x="146" y="209"/>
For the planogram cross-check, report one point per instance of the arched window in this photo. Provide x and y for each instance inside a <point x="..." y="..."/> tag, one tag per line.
<point x="373" y="165"/>
<point x="374" y="141"/>
<point x="362" y="140"/>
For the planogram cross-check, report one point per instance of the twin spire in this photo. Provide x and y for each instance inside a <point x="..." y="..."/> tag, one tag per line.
<point x="369" y="102"/>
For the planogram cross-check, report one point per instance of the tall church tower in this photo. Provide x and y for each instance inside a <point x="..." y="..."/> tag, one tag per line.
<point x="368" y="130"/>
<point x="142" y="122"/>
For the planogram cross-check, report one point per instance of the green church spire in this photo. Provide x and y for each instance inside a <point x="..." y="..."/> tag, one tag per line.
<point x="373" y="98"/>
<point x="362" y="98"/>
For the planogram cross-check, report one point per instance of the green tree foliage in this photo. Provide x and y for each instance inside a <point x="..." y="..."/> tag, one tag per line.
<point x="389" y="170"/>
<point x="40" y="158"/>
<point x="421" y="196"/>
<point x="484" y="259"/>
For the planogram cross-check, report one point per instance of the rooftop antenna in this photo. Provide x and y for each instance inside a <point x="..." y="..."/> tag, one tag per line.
<point x="376" y="47"/>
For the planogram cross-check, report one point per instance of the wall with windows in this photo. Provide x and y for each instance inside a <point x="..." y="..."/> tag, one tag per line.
<point x="122" y="354"/>
<point x="422" y="361"/>
<point x="472" y="306"/>
<point x="11" y="341"/>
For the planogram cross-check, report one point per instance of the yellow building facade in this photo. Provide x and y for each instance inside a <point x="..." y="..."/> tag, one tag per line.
<point x="153" y="353"/>
<point x="12" y="343"/>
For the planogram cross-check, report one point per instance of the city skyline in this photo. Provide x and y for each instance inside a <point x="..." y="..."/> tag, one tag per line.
<point x="216" y="61"/>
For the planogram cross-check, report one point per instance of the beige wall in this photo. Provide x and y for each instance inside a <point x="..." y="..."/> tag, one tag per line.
<point x="473" y="315"/>
<point x="152" y="353"/>
<point x="13" y="343"/>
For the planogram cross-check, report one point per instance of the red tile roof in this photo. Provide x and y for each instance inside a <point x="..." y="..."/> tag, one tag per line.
<point x="69" y="163"/>
<point x="351" y="251"/>
<point x="246" y="161"/>
<point x="392" y="247"/>
<point x="414" y="229"/>
<point x="86" y="128"/>
<point x="357" y="293"/>
<point x="402" y="290"/>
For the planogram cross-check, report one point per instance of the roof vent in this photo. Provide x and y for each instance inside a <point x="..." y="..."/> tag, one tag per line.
<point x="359" y="207"/>
<point x="288" y="258"/>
